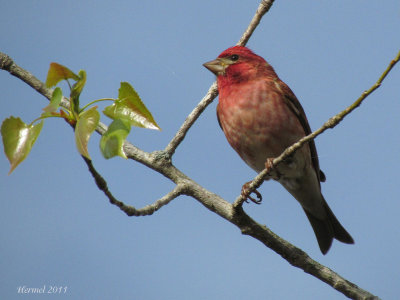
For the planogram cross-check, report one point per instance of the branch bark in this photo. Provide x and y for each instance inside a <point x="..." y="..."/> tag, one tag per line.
<point x="160" y="161"/>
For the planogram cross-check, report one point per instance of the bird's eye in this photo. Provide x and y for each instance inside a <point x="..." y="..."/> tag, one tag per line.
<point x="234" y="57"/>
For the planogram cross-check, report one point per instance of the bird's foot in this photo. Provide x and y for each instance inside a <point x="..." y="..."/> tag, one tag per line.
<point x="246" y="195"/>
<point x="272" y="171"/>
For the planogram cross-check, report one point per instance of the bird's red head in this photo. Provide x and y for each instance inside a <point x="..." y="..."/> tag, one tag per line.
<point x="238" y="64"/>
<point x="240" y="51"/>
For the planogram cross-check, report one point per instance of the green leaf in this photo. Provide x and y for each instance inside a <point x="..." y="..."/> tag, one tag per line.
<point x="112" y="141"/>
<point x="57" y="73"/>
<point x="54" y="102"/>
<point x="86" y="124"/>
<point x="18" y="139"/>
<point x="129" y="107"/>
<point x="77" y="89"/>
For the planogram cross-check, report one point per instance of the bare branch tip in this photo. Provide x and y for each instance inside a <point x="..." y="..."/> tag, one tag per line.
<point x="5" y="61"/>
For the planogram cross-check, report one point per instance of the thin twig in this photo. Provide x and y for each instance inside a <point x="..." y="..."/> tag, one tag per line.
<point x="331" y="123"/>
<point x="212" y="93"/>
<point x="262" y="9"/>
<point x="130" y="210"/>
<point x="191" y="118"/>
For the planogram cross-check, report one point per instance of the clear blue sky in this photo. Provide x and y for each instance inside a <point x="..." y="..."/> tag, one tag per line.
<point x="56" y="228"/>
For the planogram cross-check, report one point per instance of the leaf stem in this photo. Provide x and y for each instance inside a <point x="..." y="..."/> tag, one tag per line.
<point x="45" y="117"/>
<point x="69" y="84"/>
<point x="95" y="101"/>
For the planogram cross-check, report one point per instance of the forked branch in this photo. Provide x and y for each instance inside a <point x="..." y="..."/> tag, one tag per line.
<point x="160" y="161"/>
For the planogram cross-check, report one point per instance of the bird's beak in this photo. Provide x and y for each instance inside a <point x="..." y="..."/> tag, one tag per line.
<point x="218" y="66"/>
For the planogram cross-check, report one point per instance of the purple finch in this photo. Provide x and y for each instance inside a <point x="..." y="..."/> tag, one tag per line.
<point x="261" y="117"/>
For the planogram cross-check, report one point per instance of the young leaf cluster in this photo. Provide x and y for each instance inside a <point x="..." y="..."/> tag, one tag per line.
<point x="125" y="111"/>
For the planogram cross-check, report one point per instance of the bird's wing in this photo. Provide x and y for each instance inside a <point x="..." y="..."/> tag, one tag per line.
<point x="295" y="106"/>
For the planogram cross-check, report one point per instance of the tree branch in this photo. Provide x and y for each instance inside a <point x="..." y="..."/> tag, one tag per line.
<point x="130" y="210"/>
<point x="262" y="9"/>
<point x="331" y="123"/>
<point x="7" y="64"/>
<point x="160" y="161"/>
<point x="212" y="93"/>
<point x="297" y="257"/>
<point x="191" y="118"/>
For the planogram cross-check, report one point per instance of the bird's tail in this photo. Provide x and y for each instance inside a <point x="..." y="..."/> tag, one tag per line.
<point x="328" y="229"/>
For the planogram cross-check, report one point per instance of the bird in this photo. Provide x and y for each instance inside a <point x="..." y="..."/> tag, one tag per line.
<point x="260" y="117"/>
